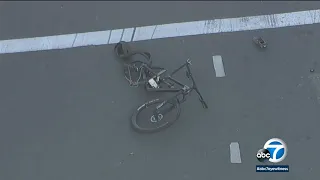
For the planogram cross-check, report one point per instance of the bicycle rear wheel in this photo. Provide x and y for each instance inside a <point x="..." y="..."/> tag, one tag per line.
<point x="144" y="121"/>
<point x="122" y="49"/>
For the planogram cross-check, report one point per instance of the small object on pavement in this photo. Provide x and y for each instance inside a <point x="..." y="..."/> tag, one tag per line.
<point x="311" y="70"/>
<point x="260" y="42"/>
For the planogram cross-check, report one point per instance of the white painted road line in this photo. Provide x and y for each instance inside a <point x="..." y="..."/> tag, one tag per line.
<point x="218" y="66"/>
<point x="235" y="153"/>
<point x="160" y="31"/>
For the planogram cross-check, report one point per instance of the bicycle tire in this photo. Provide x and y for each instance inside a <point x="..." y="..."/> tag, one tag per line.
<point x="134" y="118"/>
<point x="122" y="50"/>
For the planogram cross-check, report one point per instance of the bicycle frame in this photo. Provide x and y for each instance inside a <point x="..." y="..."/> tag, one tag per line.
<point x="184" y="90"/>
<point x="170" y="78"/>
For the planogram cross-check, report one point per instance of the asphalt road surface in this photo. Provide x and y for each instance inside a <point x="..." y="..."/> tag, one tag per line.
<point x="65" y="113"/>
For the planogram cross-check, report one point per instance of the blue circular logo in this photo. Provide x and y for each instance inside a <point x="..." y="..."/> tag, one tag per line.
<point x="277" y="149"/>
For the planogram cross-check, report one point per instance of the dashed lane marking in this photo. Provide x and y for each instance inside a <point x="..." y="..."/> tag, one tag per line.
<point x="235" y="156"/>
<point x="218" y="66"/>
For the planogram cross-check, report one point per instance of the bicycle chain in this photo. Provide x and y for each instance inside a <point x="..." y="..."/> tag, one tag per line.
<point x="138" y="69"/>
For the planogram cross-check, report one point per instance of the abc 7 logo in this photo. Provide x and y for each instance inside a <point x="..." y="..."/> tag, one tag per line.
<point x="274" y="150"/>
<point x="263" y="155"/>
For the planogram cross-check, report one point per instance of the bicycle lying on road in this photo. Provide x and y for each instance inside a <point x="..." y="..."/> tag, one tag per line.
<point x="155" y="79"/>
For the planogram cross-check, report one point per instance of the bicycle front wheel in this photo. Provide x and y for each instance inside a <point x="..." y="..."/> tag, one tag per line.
<point x="144" y="119"/>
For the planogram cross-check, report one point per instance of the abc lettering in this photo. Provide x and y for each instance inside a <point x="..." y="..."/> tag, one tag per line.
<point x="263" y="155"/>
